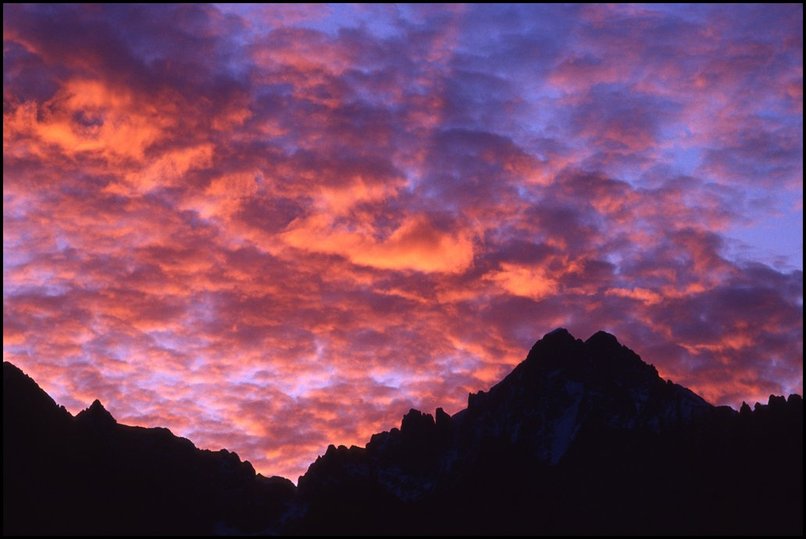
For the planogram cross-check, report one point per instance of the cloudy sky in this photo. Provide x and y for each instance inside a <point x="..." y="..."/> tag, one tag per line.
<point x="274" y="228"/>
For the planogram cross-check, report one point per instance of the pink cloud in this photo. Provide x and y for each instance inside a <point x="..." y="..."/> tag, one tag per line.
<point x="275" y="236"/>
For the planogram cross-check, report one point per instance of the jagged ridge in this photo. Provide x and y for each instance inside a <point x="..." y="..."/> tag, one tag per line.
<point x="89" y="475"/>
<point x="581" y="437"/>
<point x="585" y="431"/>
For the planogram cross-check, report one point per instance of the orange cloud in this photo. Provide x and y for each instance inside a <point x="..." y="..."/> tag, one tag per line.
<point x="272" y="231"/>
<point x="524" y="281"/>
<point x="164" y="172"/>
<point x="86" y="116"/>
<point x="640" y="294"/>
<point x="414" y="245"/>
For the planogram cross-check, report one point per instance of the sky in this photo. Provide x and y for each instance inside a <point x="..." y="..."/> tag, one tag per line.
<point x="271" y="228"/>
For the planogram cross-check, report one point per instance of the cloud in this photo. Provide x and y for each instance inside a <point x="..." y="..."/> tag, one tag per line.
<point x="415" y="245"/>
<point x="271" y="229"/>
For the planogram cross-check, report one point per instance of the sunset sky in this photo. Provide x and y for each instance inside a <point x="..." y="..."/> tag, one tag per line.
<point x="271" y="228"/>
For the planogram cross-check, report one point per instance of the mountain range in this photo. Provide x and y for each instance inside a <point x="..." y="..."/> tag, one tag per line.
<point x="581" y="437"/>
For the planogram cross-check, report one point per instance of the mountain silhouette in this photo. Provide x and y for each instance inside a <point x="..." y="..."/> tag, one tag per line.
<point x="89" y="475"/>
<point x="581" y="437"/>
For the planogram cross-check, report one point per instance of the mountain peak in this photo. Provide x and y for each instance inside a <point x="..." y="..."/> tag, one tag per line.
<point x="555" y="343"/>
<point x="557" y="331"/>
<point x="558" y="334"/>
<point x="96" y="414"/>
<point x="566" y="386"/>
<point x="96" y="405"/>
<point x="603" y="338"/>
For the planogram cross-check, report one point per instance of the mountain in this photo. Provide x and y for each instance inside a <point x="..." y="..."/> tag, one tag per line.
<point x="89" y="475"/>
<point x="581" y="437"/>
